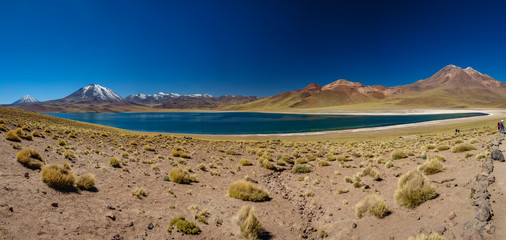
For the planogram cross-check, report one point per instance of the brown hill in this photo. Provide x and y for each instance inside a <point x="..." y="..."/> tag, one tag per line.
<point x="450" y="87"/>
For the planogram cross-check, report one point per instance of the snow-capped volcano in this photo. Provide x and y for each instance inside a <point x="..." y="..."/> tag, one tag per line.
<point x="161" y="97"/>
<point x="26" y="99"/>
<point x="94" y="92"/>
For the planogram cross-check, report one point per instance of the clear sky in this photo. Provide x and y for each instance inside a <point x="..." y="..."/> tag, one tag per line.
<point x="49" y="49"/>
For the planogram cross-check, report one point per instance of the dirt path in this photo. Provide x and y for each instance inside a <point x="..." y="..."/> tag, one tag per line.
<point x="498" y="197"/>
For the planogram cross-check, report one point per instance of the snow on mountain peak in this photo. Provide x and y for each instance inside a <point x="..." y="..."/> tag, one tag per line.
<point x="26" y="99"/>
<point x="100" y="93"/>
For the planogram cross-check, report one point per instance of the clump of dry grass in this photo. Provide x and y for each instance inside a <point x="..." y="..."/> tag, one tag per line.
<point x="372" y="205"/>
<point x="414" y="189"/>
<point x="58" y="177"/>
<point x="3" y="128"/>
<point x="30" y="158"/>
<point x="431" y="166"/>
<point x="177" y="175"/>
<point x="148" y="148"/>
<point x="183" y="226"/>
<point x="114" y="161"/>
<point x="443" y="147"/>
<point x="398" y="154"/>
<point x="37" y="134"/>
<point x="301" y="169"/>
<point x="139" y="193"/>
<point x="69" y="154"/>
<point x="245" y="162"/>
<point x="267" y="164"/>
<point x="62" y="142"/>
<point x="463" y="147"/>
<point x="86" y="182"/>
<point x="246" y="191"/>
<point x="248" y="223"/>
<point x="372" y="172"/>
<point x="12" y="136"/>
<point x="433" y="236"/>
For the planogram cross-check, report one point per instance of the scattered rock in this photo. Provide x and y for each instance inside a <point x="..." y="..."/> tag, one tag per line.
<point x="11" y="209"/>
<point x="452" y="216"/>
<point x="497" y="155"/>
<point x="117" y="237"/>
<point x="55" y="204"/>
<point x="476" y="235"/>
<point x="112" y="217"/>
<point x="111" y="207"/>
<point x="150" y="226"/>
<point x="27" y="175"/>
<point x="131" y="224"/>
<point x="353" y="225"/>
<point x="483" y="213"/>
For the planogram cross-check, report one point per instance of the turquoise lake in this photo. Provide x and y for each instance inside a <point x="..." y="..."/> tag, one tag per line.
<point x="247" y="122"/>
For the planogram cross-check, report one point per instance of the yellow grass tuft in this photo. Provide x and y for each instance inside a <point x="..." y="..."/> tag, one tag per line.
<point x="414" y="189"/>
<point x="248" y="223"/>
<point x="463" y="147"/>
<point x="177" y="175"/>
<point x="431" y="166"/>
<point x="370" y="171"/>
<point x="398" y="154"/>
<point x="139" y="193"/>
<point x="30" y="158"/>
<point x="246" y="191"/>
<point x="372" y="205"/>
<point x="114" y="161"/>
<point x="58" y="177"/>
<point x="12" y="136"/>
<point x="86" y="182"/>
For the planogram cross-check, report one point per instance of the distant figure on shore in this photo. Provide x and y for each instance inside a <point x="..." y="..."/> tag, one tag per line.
<point x="502" y="127"/>
<point x="499" y="127"/>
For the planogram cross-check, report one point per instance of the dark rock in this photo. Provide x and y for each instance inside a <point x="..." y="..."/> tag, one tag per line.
<point x="112" y="217"/>
<point x="11" y="209"/>
<point x="131" y="224"/>
<point x="150" y="226"/>
<point x="27" y="175"/>
<point x="353" y="225"/>
<point x="497" y="155"/>
<point x="111" y="207"/>
<point x="55" y="204"/>
<point x="117" y="237"/>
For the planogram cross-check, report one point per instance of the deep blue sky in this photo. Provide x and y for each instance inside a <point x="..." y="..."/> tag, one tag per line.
<point x="49" y="49"/>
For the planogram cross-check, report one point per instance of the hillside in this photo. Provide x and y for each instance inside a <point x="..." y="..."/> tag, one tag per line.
<point x="450" y="87"/>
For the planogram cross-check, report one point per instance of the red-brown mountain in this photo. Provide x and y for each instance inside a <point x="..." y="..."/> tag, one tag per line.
<point x="451" y="87"/>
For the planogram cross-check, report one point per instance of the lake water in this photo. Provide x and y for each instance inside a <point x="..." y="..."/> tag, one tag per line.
<point x="246" y="122"/>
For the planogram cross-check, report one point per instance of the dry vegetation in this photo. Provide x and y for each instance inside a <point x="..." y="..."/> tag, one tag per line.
<point x="309" y="183"/>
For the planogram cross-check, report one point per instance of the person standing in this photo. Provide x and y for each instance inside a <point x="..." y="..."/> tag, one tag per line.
<point x="502" y="127"/>
<point x="499" y="127"/>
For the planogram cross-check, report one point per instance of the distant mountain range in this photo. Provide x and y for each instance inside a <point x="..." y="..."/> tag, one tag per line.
<point x="95" y="98"/>
<point x="450" y="87"/>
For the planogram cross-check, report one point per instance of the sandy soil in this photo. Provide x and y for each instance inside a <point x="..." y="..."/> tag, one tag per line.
<point x="301" y="205"/>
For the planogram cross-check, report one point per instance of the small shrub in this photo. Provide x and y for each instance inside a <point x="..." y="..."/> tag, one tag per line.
<point x="398" y="154"/>
<point x="323" y="163"/>
<point x="331" y="157"/>
<point x="301" y="169"/>
<point x="267" y="164"/>
<point x="148" y="148"/>
<point x="372" y="172"/>
<point x="69" y="154"/>
<point x="37" y="134"/>
<point x="139" y="193"/>
<point x="86" y="182"/>
<point x="183" y="226"/>
<point x="462" y="148"/>
<point x="245" y="162"/>
<point x="114" y="161"/>
<point x="177" y="175"/>
<point x="443" y="147"/>
<point x="202" y="167"/>
<point x="389" y="164"/>
<point x="433" y="236"/>
<point x="246" y="191"/>
<point x="248" y="223"/>
<point x="431" y="166"/>
<point x="12" y="136"/>
<point x="414" y="189"/>
<point x="372" y="205"/>
<point x="58" y="177"/>
<point x="3" y="128"/>
<point x="30" y="158"/>
<point x="62" y="142"/>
